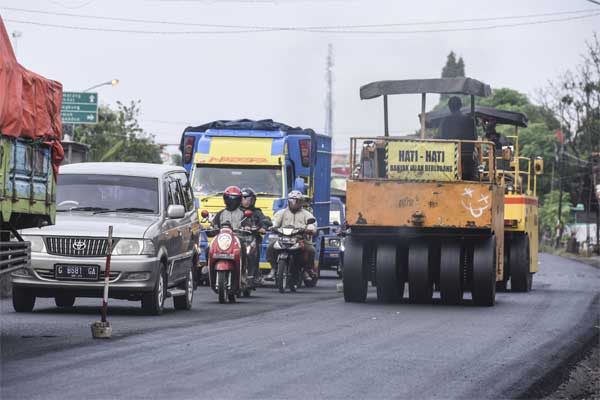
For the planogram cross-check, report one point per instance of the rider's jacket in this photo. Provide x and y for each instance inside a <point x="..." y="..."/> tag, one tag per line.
<point x="259" y="219"/>
<point x="298" y="219"/>
<point x="234" y="218"/>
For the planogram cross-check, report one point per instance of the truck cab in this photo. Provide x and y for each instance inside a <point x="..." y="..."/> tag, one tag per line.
<point x="268" y="156"/>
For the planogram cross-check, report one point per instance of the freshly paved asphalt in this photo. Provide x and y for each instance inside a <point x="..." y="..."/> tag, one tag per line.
<point x="305" y="345"/>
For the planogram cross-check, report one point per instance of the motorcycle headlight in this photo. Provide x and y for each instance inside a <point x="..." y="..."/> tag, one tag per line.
<point x="134" y="247"/>
<point x="277" y="246"/>
<point x="334" y="243"/>
<point x="224" y="241"/>
<point x="37" y="243"/>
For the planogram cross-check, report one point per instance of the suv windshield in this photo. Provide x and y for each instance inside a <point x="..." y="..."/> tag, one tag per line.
<point x="264" y="180"/>
<point x="106" y="192"/>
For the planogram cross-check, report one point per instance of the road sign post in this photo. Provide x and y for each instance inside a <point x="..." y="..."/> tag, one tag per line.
<point x="79" y="108"/>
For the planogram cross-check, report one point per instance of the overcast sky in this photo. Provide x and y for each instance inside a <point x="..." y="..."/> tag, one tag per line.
<point x="199" y="77"/>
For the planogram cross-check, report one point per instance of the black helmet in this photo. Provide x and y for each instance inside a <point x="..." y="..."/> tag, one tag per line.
<point x="249" y="192"/>
<point x="232" y="197"/>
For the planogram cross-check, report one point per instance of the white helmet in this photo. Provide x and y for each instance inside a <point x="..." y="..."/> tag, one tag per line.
<point x="295" y="198"/>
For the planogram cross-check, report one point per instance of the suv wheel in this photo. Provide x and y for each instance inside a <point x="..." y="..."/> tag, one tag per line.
<point x="23" y="299"/>
<point x="153" y="302"/>
<point x="185" y="302"/>
<point x="64" y="300"/>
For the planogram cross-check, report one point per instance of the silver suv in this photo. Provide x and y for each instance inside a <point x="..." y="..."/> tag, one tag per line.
<point x="155" y="235"/>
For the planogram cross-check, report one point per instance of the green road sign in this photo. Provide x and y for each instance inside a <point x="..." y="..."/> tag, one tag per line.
<point x="79" y="108"/>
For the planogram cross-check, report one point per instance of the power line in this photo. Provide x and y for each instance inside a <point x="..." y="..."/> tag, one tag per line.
<point x="319" y="29"/>
<point x="179" y="23"/>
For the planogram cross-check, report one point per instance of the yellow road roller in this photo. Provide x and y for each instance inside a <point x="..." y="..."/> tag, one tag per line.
<point x="424" y="213"/>
<point x="518" y="176"/>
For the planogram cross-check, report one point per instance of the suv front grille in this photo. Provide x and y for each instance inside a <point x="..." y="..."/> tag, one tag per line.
<point x="77" y="246"/>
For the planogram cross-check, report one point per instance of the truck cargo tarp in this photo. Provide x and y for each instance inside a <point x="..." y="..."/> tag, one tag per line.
<point x="245" y="125"/>
<point x="502" y="117"/>
<point x="29" y="103"/>
<point x="440" y="85"/>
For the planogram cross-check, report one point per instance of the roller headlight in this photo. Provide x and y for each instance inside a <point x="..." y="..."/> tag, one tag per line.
<point x="134" y="247"/>
<point x="224" y="241"/>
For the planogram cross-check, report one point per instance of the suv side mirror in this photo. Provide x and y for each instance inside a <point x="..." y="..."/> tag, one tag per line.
<point x="175" y="211"/>
<point x="310" y="221"/>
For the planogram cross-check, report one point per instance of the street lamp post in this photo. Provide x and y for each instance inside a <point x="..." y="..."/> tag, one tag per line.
<point x="113" y="82"/>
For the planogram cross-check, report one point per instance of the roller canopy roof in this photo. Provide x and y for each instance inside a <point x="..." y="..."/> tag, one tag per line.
<point x="502" y="117"/>
<point x="441" y="85"/>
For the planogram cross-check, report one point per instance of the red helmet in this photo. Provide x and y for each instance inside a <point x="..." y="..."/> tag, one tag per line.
<point x="232" y="197"/>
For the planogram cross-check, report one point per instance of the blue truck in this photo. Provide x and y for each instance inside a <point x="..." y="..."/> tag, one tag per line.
<point x="271" y="157"/>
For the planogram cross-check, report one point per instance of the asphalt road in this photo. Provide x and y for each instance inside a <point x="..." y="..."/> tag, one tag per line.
<point x="305" y="345"/>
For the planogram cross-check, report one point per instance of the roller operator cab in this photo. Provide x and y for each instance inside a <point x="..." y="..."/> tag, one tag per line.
<point x="518" y="176"/>
<point x="271" y="157"/>
<point x="417" y="216"/>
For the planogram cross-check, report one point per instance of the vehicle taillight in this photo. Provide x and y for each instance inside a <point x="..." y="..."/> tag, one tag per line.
<point x="188" y="149"/>
<point x="305" y="152"/>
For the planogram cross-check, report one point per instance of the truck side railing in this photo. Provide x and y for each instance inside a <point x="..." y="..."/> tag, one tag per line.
<point x="523" y="185"/>
<point x="398" y="159"/>
<point x="14" y="256"/>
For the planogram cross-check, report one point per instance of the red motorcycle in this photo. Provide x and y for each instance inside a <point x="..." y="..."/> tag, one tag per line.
<point x="227" y="262"/>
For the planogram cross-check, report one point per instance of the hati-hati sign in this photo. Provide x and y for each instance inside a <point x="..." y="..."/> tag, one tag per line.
<point x="416" y="160"/>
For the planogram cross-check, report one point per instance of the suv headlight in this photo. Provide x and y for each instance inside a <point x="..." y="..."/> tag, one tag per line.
<point x="37" y="243"/>
<point x="134" y="247"/>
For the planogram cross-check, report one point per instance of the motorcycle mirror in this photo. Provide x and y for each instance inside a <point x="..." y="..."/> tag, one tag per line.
<point x="247" y="213"/>
<point x="204" y="214"/>
<point x="310" y="221"/>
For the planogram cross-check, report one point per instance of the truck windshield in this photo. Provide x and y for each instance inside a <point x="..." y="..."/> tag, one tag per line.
<point x="213" y="179"/>
<point x="78" y="192"/>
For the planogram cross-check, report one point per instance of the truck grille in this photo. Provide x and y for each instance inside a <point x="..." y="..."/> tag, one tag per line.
<point x="77" y="246"/>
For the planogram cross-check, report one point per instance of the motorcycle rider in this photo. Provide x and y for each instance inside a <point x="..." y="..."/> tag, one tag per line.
<point x="258" y="219"/>
<point x="293" y="215"/>
<point x="232" y="197"/>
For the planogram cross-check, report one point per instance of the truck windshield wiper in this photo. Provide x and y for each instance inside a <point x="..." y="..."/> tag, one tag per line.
<point x="125" y="209"/>
<point x="83" y="209"/>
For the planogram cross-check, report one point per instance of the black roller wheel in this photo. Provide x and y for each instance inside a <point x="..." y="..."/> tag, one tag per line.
<point x="23" y="299"/>
<point x="519" y="259"/>
<point x="451" y="274"/>
<point x="354" y="277"/>
<point x="221" y="284"/>
<point x="484" y="272"/>
<point x="420" y="279"/>
<point x="390" y="286"/>
<point x="64" y="300"/>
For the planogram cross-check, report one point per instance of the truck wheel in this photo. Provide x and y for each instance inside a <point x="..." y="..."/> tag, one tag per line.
<point x="451" y="276"/>
<point x="390" y="286"/>
<point x="354" y="280"/>
<point x="484" y="272"/>
<point x="420" y="279"/>
<point x="23" y="299"/>
<point x="153" y="303"/>
<point x="64" y="300"/>
<point x="519" y="259"/>
<point x="185" y="302"/>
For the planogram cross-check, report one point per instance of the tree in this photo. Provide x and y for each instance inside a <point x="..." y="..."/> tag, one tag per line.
<point x="176" y="159"/>
<point x="548" y="214"/>
<point x="118" y="137"/>
<point x="452" y="69"/>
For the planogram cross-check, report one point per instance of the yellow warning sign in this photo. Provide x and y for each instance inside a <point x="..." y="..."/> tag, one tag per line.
<point x="421" y="160"/>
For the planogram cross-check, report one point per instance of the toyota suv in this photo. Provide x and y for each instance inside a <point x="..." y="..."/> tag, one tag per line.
<point x="154" y="247"/>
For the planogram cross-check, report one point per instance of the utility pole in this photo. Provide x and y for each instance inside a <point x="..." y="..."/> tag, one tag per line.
<point x="16" y="36"/>
<point x="596" y="182"/>
<point x="559" y="160"/>
<point x="329" y="97"/>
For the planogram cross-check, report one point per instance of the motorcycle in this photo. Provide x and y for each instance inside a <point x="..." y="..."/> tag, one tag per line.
<point x="227" y="261"/>
<point x="289" y="245"/>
